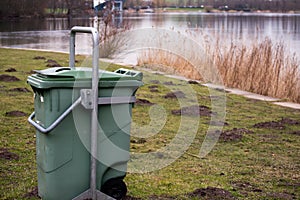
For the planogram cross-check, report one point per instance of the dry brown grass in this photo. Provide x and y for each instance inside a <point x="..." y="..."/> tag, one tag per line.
<point x="261" y="67"/>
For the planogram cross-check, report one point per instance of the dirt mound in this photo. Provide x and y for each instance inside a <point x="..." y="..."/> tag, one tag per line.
<point x="39" y="58"/>
<point x="218" y="123"/>
<point x="277" y="124"/>
<point x="295" y="133"/>
<point x="193" y="82"/>
<point x="284" y="195"/>
<point x="138" y="141"/>
<point x="143" y="102"/>
<point x="169" y="83"/>
<point x="8" y="78"/>
<point x="32" y="193"/>
<point x="173" y="95"/>
<point x="211" y="193"/>
<point x="52" y="63"/>
<point x="194" y="110"/>
<point x="153" y="88"/>
<point x="11" y="70"/>
<point x="19" y="90"/>
<point x="15" y="113"/>
<point x="7" y="155"/>
<point x="236" y="134"/>
<point x="155" y="81"/>
<point x="245" y="186"/>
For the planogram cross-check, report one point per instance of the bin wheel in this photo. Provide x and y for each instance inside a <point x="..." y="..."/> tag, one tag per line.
<point x="115" y="188"/>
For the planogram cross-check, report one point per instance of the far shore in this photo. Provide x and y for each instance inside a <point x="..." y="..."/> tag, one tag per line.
<point x="91" y="13"/>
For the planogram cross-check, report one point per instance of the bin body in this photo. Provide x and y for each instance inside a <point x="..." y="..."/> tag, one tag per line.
<point x="63" y="154"/>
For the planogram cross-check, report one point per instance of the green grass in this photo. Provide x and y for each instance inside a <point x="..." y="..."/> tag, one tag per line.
<point x="261" y="165"/>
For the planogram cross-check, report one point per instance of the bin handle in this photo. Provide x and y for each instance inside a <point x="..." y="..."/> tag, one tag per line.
<point x="56" y="122"/>
<point x="80" y="29"/>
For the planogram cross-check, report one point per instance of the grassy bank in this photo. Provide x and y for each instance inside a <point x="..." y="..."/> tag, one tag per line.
<point x="257" y="156"/>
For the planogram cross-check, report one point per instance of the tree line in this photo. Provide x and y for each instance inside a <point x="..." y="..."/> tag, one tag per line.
<point x="272" y="5"/>
<point x="39" y="8"/>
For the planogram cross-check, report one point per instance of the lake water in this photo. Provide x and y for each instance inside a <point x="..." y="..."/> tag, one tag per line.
<point x="53" y="34"/>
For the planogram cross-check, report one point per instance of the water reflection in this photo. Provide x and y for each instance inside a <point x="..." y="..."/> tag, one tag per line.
<point x="53" y="34"/>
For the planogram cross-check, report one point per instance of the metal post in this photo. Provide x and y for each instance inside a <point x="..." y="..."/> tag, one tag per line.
<point x="92" y="193"/>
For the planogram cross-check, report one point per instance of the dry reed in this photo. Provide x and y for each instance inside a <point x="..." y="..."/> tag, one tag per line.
<point x="261" y="67"/>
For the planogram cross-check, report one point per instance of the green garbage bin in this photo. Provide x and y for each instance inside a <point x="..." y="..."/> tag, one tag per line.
<point x="62" y="119"/>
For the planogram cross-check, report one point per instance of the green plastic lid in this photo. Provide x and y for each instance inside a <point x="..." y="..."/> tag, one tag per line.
<point x="82" y="76"/>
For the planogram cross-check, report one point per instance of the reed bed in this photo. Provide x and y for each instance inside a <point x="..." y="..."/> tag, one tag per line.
<point x="262" y="67"/>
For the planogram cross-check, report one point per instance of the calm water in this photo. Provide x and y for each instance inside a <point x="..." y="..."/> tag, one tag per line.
<point x="53" y="34"/>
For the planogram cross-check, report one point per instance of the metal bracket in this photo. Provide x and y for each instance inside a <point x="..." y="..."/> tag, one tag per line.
<point x="87" y="98"/>
<point x="87" y="195"/>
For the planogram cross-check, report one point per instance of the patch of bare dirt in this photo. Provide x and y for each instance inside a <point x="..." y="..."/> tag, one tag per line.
<point x="245" y="186"/>
<point x="138" y="141"/>
<point x="11" y="70"/>
<point x="193" y="82"/>
<point x="8" y="78"/>
<point x="173" y="95"/>
<point x="277" y="124"/>
<point x="194" y="110"/>
<point x="39" y="58"/>
<point x="279" y="195"/>
<point x="218" y="123"/>
<point x="295" y="133"/>
<point x="52" y="63"/>
<point x="7" y="155"/>
<point x="155" y="81"/>
<point x="19" y="90"/>
<point x="153" y="88"/>
<point x="169" y="83"/>
<point x="211" y="193"/>
<point x="15" y="113"/>
<point x="143" y="102"/>
<point x="33" y="193"/>
<point x="236" y="134"/>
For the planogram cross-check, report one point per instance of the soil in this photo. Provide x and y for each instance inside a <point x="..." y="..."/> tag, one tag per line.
<point x="155" y="81"/>
<point x="173" y="95"/>
<point x="193" y="82"/>
<point x="245" y="186"/>
<point x="218" y="123"/>
<point x="52" y="63"/>
<point x="138" y="141"/>
<point x="169" y="83"/>
<point x="8" y="78"/>
<point x="211" y="193"/>
<point x="236" y="134"/>
<point x="7" y="155"/>
<point x="153" y="88"/>
<point x="295" y="133"/>
<point x="32" y="193"/>
<point x="11" y="70"/>
<point x="277" y="124"/>
<point x="39" y="58"/>
<point x="15" y="113"/>
<point x="285" y="196"/>
<point x="19" y="90"/>
<point x="143" y="102"/>
<point x="194" y="110"/>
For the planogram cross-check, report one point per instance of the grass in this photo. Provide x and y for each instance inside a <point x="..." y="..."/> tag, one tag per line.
<point x="262" y="67"/>
<point x="263" y="164"/>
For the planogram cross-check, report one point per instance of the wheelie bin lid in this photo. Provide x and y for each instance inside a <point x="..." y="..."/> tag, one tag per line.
<point x="66" y="77"/>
